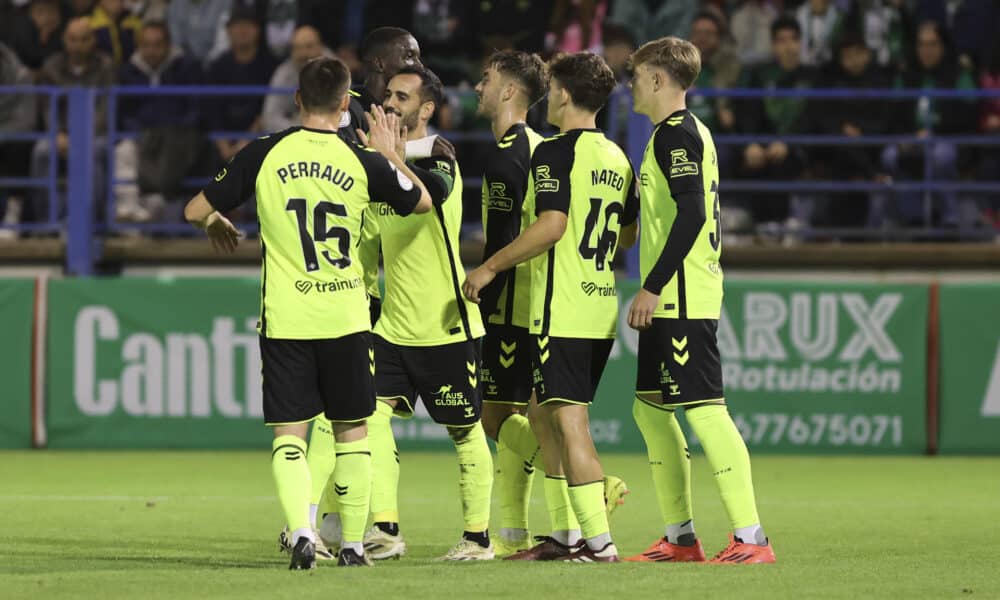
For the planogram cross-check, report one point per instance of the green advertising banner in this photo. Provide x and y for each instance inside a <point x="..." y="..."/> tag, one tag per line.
<point x="808" y="367"/>
<point x="17" y="299"/>
<point x="970" y="368"/>
<point x="154" y="363"/>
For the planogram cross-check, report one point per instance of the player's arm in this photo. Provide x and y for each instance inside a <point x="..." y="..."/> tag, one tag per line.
<point x="383" y="136"/>
<point x="630" y="217"/>
<point x="688" y="191"/>
<point x="437" y="173"/>
<point x="232" y="187"/>
<point x="551" y="165"/>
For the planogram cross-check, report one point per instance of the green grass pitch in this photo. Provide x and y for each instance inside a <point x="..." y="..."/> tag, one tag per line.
<point x="205" y="524"/>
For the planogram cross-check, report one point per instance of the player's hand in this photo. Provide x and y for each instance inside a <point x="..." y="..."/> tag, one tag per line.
<point x="640" y="314"/>
<point x="221" y="232"/>
<point x="476" y="281"/>
<point x="443" y="147"/>
<point x="383" y="131"/>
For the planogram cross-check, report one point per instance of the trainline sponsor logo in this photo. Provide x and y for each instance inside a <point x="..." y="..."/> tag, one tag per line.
<point x="804" y="342"/>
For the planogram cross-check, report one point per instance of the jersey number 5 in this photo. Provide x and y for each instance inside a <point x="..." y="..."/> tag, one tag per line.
<point x="321" y="233"/>
<point x="606" y="240"/>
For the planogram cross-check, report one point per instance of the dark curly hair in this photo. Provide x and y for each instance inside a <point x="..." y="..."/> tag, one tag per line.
<point x="527" y="69"/>
<point x="586" y="76"/>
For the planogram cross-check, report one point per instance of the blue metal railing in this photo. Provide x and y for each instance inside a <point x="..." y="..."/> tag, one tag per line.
<point x="80" y="225"/>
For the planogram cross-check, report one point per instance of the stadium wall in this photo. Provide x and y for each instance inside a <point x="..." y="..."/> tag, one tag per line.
<point x="818" y="368"/>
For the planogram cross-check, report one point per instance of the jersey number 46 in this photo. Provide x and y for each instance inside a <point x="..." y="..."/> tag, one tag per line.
<point x="606" y="239"/>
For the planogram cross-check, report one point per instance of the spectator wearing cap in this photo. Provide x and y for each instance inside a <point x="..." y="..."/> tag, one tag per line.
<point x="198" y="27"/>
<point x="116" y="29"/>
<point x="160" y="119"/>
<point x="37" y="35"/>
<point x="280" y="111"/>
<point x="245" y="63"/>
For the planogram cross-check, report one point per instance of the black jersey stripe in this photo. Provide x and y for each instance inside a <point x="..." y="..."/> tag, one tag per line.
<point x="549" y="289"/>
<point x="459" y="298"/>
<point x="682" y="304"/>
<point x="263" y="285"/>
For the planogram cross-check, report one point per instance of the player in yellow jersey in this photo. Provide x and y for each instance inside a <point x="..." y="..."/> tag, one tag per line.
<point x="583" y="192"/>
<point x="427" y="338"/>
<point x="315" y="332"/>
<point x="677" y="312"/>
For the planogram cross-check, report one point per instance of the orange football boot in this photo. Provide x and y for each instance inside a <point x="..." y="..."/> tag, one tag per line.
<point x="739" y="552"/>
<point x="664" y="551"/>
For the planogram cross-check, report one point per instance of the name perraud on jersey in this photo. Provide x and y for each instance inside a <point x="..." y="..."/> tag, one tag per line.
<point x="315" y="170"/>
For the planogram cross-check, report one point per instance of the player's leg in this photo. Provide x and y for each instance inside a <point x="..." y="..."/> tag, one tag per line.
<point x="666" y="447"/>
<point x="696" y="367"/>
<point x="506" y="385"/>
<point x="447" y="378"/>
<point x="291" y="401"/>
<point x="348" y="391"/>
<point x="566" y="403"/>
<point x="321" y="459"/>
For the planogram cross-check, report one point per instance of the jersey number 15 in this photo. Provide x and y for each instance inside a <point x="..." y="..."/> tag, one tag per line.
<point x="321" y="233"/>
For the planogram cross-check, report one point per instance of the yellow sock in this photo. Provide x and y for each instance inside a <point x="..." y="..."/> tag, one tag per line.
<point x="516" y="434"/>
<point x="669" y="460"/>
<point x="321" y="458"/>
<point x="588" y="504"/>
<point x="475" y="479"/>
<point x="385" y="465"/>
<point x="557" y="501"/>
<point x="513" y="478"/>
<point x="291" y="477"/>
<point x="727" y="453"/>
<point x="353" y="486"/>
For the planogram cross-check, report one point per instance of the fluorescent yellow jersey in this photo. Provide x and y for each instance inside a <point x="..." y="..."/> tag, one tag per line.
<point x="423" y="303"/>
<point x="681" y="235"/>
<point x="587" y="176"/>
<point x="506" y="300"/>
<point x="311" y="188"/>
<point x="368" y="250"/>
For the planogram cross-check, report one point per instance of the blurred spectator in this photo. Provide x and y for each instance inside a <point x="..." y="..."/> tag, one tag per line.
<point x="277" y="20"/>
<point x="164" y="153"/>
<point x="17" y="115"/>
<point x="720" y="69"/>
<point x="936" y="68"/>
<point x="888" y="28"/>
<point x="79" y="64"/>
<point x="149" y="10"/>
<point x="244" y="64"/>
<point x="751" y="28"/>
<point x="820" y="21"/>
<point x="652" y="20"/>
<point x="973" y="25"/>
<point x="989" y="123"/>
<point x="576" y="25"/>
<point x="443" y="29"/>
<point x="280" y="111"/>
<point x="776" y="116"/>
<point x="855" y="68"/>
<point x="115" y="28"/>
<point x="38" y="35"/>
<point x="520" y="24"/>
<point x="198" y="27"/>
<point x="618" y="48"/>
<point x="78" y="8"/>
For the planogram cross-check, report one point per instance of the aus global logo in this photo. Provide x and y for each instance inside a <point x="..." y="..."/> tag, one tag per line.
<point x="680" y="166"/>
<point x="445" y="397"/>
<point x="544" y="181"/>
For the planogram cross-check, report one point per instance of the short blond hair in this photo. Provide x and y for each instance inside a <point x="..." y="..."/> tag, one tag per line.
<point x="679" y="58"/>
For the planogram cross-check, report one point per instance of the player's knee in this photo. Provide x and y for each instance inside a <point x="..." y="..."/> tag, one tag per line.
<point x="494" y="416"/>
<point x="458" y="434"/>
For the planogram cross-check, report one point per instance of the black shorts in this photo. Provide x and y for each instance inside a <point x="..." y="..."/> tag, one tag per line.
<point x="679" y="358"/>
<point x="446" y="377"/>
<point x="506" y="373"/>
<point x="305" y="378"/>
<point x="568" y="369"/>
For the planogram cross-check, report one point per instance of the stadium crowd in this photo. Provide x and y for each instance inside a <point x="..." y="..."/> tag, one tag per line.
<point x="765" y="44"/>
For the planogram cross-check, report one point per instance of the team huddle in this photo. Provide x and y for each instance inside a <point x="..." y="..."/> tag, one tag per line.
<point x="515" y="349"/>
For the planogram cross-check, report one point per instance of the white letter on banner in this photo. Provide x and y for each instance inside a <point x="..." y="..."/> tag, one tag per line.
<point x="991" y="403"/>
<point x="764" y="313"/>
<point x="89" y="319"/>
<point x="824" y="336"/>
<point x="252" y="386"/>
<point x="871" y="327"/>
<point x="142" y="379"/>
<point x="223" y="348"/>
<point x="180" y="378"/>
<point x="729" y="345"/>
